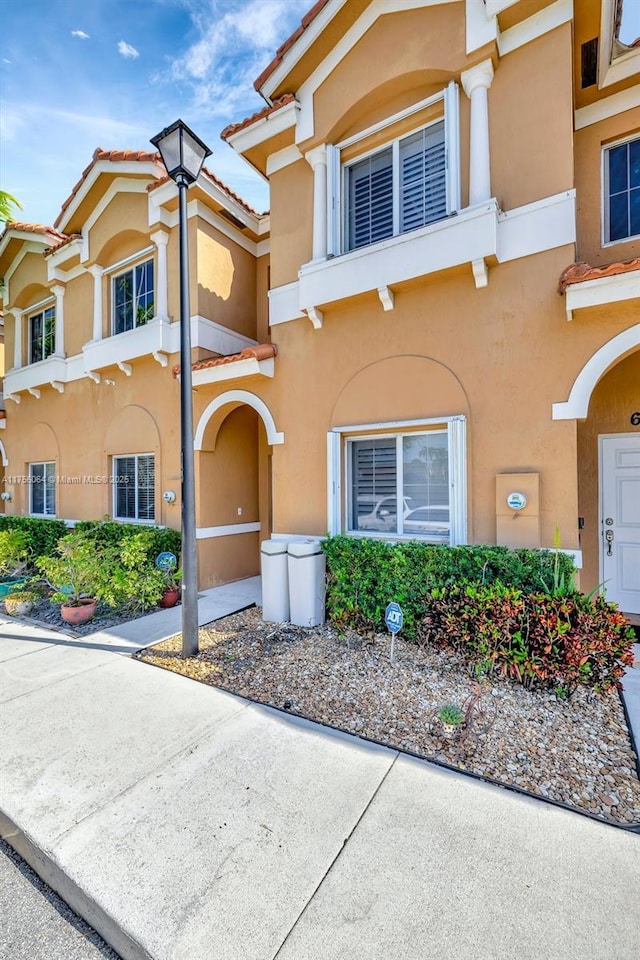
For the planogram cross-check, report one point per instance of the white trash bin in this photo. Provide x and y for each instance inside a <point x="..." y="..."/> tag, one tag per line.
<point x="307" y="566"/>
<point x="275" y="581"/>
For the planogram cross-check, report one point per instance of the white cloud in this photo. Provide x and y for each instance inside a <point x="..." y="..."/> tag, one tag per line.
<point x="127" y="51"/>
<point x="221" y="65"/>
<point x="4" y="60"/>
<point x="80" y="33"/>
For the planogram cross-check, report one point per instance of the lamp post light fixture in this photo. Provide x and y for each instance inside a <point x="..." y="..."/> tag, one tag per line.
<point x="183" y="154"/>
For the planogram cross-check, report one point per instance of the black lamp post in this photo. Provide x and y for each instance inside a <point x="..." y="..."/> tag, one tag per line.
<point x="183" y="155"/>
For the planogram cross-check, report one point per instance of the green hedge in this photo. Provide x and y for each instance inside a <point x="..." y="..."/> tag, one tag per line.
<point x="43" y="533"/>
<point x="109" y="533"/>
<point x="363" y="575"/>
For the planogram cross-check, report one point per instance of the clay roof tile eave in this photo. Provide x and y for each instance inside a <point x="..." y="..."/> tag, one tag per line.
<point x="581" y="271"/>
<point x="261" y="351"/>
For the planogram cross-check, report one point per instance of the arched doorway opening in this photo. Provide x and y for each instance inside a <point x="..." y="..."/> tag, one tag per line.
<point x="233" y="443"/>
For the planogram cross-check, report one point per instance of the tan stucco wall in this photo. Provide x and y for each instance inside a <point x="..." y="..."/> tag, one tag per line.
<point x="121" y="230"/>
<point x="615" y="398"/>
<point x="416" y="50"/>
<point x="589" y="186"/>
<point x="228" y="472"/>
<point x="531" y="123"/>
<point x="291" y="221"/>
<point x="226" y="281"/>
<point x="263" y="273"/>
<point x="78" y="314"/>
<point x="499" y="355"/>
<point x="87" y="424"/>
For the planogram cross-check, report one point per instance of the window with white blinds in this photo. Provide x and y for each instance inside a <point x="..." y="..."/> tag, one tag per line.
<point x="134" y="487"/>
<point x="406" y="183"/>
<point x="399" y="485"/>
<point x="397" y="189"/>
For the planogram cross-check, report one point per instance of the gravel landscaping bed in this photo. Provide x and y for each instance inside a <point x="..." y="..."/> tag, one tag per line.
<point x="575" y="751"/>
<point x="47" y="614"/>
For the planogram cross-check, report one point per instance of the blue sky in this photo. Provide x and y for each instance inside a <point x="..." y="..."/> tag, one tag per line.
<point x="78" y="74"/>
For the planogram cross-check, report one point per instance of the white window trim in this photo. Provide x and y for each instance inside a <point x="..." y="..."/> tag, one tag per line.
<point x="604" y="192"/>
<point x="336" y="170"/>
<point x="37" y="308"/>
<point x="613" y="69"/>
<point x="32" y="513"/>
<point x="337" y="472"/>
<point x="123" y="266"/>
<point x="114" y="515"/>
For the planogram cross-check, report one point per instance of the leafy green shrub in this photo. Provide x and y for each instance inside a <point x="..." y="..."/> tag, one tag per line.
<point x="106" y="533"/>
<point x="77" y="571"/>
<point x="43" y="533"/>
<point x="14" y="552"/>
<point x="364" y="574"/>
<point x="536" y="639"/>
<point x="120" y="573"/>
<point x="133" y="582"/>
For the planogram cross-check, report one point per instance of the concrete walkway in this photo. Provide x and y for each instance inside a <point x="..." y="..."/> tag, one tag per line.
<point x="184" y="823"/>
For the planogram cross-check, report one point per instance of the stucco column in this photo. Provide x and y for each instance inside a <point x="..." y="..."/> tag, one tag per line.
<point x="17" y="338"/>
<point x="97" y="272"/>
<point x="161" y="239"/>
<point x="58" y="292"/>
<point x="476" y="83"/>
<point x="317" y="159"/>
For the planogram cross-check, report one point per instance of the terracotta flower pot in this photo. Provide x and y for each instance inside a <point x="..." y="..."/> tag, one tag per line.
<point x="170" y="597"/>
<point x="81" y="614"/>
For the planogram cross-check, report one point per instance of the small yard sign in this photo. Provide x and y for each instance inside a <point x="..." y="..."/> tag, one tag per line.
<point x="393" y="619"/>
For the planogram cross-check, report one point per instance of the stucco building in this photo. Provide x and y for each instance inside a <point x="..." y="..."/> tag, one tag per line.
<point x="434" y="333"/>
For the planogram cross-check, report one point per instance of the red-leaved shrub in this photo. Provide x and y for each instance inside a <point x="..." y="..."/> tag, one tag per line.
<point x="535" y="639"/>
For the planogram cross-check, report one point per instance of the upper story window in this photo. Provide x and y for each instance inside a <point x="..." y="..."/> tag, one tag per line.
<point x="622" y="191"/>
<point x="408" y="182"/>
<point x="134" y="487"/>
<point x="42" y="489"/>
<point x="42" y="334"/>
<point x="397" y="189"/>
<point x="133" y="297"/>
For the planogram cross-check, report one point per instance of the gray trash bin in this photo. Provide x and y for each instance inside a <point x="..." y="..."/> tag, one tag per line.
<point x="306" y="583"/>
<point x="275" y="581"/>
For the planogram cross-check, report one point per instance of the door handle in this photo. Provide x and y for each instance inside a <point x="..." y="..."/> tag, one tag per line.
<point x="609" y="538"/>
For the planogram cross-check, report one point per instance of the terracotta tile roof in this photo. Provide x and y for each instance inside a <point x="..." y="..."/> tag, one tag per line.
<point x="581" y="271"/>
<point x="262" y="351"/>
<point x="219" y="183"/>
<point x="308" y="18"/>
<point x="63" y="243"/>
<point x="260" y="115"/>
<point x="115" y="155"/>
<point x="40" y="228"/>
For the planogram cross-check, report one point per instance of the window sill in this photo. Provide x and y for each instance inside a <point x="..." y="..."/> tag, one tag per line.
<point x="154" y="337"/>
<point x="476" y="235"/>
<point x="470" y="236"/>
<point x="52" y="371"/>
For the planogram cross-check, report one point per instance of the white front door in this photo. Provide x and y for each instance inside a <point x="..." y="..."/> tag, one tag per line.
<point x="620" y="520"/>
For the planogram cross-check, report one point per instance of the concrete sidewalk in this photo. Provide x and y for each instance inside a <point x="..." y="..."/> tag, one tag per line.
<point x="184" y="823"/>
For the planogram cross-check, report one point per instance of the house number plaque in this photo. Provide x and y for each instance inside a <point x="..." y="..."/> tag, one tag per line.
<point x="635" y="419"/>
